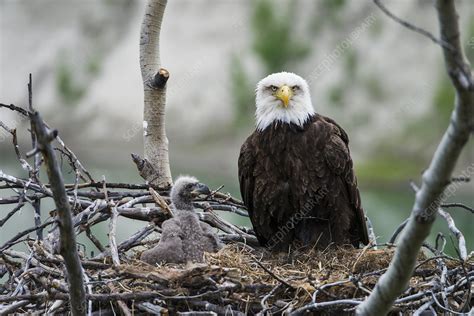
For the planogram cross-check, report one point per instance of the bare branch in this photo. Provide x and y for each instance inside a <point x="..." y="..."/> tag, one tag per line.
<point x="412" y="27"/>
<point x="397" y="231"/>
<point x="460" y="205"/>
<point x="436" y="177"/>
<point x="112" y="241"/>
<point x="67" y="236"/>
<point x="456" y="232"/>
<point x="36" y="162"/>
<point x="447" y="46"/>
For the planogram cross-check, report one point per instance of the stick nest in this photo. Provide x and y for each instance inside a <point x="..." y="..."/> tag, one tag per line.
<point x="239" y="278"/>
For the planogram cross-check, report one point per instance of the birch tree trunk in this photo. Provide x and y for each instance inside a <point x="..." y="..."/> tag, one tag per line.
<point x="437" y="176"/>
<point x="155" y="168"/>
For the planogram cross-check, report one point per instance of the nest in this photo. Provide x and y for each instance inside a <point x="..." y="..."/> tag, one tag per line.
<point x="237" y="280"/>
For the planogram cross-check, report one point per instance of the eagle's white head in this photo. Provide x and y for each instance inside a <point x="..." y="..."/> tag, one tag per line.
<point x="284" y="97"/>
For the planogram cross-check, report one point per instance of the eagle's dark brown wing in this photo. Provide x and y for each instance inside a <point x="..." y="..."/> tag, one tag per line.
<point x="247" y="185"/>
<point x="339" y="161"/>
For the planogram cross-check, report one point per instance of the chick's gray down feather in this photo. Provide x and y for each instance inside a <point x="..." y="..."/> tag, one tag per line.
<point x="184" y="238"/>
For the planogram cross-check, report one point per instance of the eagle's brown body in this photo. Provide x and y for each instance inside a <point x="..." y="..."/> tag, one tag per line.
<point x="298" y="183"/>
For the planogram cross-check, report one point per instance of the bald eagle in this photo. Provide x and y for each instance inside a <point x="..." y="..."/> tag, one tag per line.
<point x="295" y="171"/>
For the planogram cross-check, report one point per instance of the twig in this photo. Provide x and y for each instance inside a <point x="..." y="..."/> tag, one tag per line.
<point x="423" y="307"/>
<point x="18" y="207"/>
<point x="36" y="162"/>
<point x="463" y="72"/>
<point x="263" y="302"/>
<point x="160" y="201"/>
<point x="152" y="309"/>
<point x="122" y="305"/>
<point x="273" y="275"/>
<point x="67" y="236"/>
<point x="318" y="306"/>
<point x="372" y="237"/>
<point x="214" y="192"/>
<point x="15" y="108"/>
<point x="460" y="205"/>
<point x="112" y="242"/>
<point x="12" y="308"/>
<point x="130" y="242"/>
<point x="24" y="233"/>
<point x="94" y="239"/>
<point x="397" y="231"/>
<point x="27" y="114"/>
<point x="412" y="27"/>
<point x="323" y="287"/>
<point x="456" y="232"/>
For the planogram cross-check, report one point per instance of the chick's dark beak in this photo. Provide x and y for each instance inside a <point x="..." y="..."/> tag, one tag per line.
<point x="201" y="189"/>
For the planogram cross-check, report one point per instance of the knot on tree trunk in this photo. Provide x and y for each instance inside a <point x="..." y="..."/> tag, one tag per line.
<point x="160" y="79"/>
<point x="148" y="172"/>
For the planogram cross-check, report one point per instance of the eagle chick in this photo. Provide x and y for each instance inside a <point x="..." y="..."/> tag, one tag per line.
<point x="184" y="237"/>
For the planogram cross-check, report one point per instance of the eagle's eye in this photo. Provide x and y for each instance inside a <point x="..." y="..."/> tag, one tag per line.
<point x="189" y="186"/>
<point x="274" y="88"/>
<point x="295" y="88"/>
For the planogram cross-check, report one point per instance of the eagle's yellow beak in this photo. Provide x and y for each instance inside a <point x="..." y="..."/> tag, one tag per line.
<point x="284" y="94"/>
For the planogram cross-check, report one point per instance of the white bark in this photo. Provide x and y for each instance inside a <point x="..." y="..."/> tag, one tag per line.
<point x="154" y="86"/>
<point x="438" y="174"/>
<point x="456" y="232"/>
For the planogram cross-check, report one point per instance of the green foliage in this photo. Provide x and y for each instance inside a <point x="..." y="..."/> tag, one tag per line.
<point x="327" y="11"/>
<point x="332" y="8"/>
<point x="376" y="29"/>
<point x="374" y="88"/>
<point x="93" y="65"/>
<point x="386" y="167"/>
<point x="336" y="95"/>
<point x="242" y="93"/>
<point x="275" y="39"/>
<point x="350" y="63"/>
<point x="360" y="118"/>
<point x="334" y="5"/>
<point x="69" y="90"/>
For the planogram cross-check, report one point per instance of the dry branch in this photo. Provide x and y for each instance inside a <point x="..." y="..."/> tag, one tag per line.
<point x="439" y="173"/>
<point x="67" y="236"/>
<point x="456" y="232"/>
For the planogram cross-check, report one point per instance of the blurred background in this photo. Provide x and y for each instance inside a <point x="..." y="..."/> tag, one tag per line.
<point x="384" y="84"/>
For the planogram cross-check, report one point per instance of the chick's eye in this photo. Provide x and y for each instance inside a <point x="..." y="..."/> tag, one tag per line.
<point x="295" y="88"/>
<point x="274" y="88"/>
<point x="189" y="185"/>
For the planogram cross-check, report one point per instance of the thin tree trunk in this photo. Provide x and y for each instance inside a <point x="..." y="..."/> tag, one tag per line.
<point x="437" y="176"/>
<point x="155" y="168"/>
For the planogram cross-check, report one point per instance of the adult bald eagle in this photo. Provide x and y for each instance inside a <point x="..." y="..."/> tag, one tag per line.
<point x="295" y="171"/>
